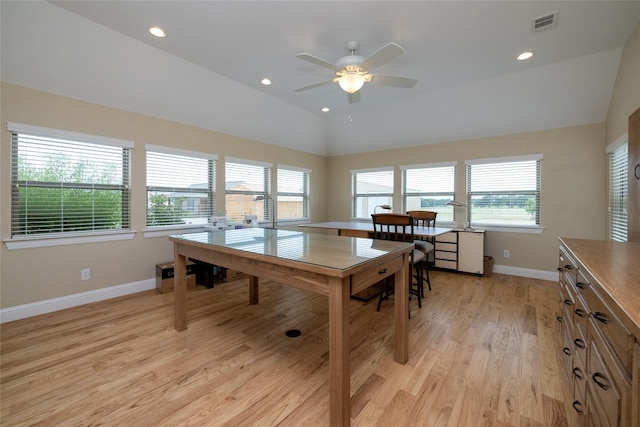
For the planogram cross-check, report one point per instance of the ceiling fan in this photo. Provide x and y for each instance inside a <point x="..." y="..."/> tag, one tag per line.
<point x="353" y="71"/>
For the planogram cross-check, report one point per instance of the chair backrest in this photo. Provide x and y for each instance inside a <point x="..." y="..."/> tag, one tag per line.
<point x="424" y="218"/>
<point x="390" y="226"/>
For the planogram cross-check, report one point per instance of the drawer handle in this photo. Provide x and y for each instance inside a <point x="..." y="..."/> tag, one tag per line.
<point x="579" y="343"/>
<point x="568" y="302"/>
<point x="601" y="381"/>
<point x="581" y="285"/>
<point x="384" y="270"/>
<point x="580" y="312"/>
<point x="577" y="405"/>
<point x="577" y="372"/>
<point x="559" y="319"/>
<point x="602" y="317"/>
<point x="568" y="267"/>
<point x="559" y="269"/>
<point x="567" y="351"/>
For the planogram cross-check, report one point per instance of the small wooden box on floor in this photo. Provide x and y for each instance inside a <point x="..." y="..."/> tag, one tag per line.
<point x="164" y="276"/>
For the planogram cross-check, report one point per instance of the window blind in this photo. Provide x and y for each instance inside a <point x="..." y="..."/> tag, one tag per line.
<point x="618" y="193"/>
<point x="67" y="183"/>
<point x="504" y="191"/>
<point x="180" y="187"/>
<point x="370" y="189"/>
<point x="244" y="182"/>
<point x="293" y="193"/>
<point x="429" y="188"/>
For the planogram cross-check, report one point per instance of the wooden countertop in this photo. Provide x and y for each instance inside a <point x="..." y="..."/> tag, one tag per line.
<point x="616" y="266"/>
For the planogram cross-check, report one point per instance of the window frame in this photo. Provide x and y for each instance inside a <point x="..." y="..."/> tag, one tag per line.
<point x="304" y="194"/>
<point x="450" y="195"/>
<point x="266" y="191"/>
<point x="355" y="196"/>
<point x="618" y="171"/>
<point x="210" y="191"/>
<point x="57" y="238"/>
<point x="537" y="193"/>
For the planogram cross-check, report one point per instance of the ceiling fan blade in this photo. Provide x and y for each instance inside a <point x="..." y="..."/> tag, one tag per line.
<point x="318" y="61"/>
<point x="354" y="97"/>
<point x="395" y="81"/>
<point x="382" y="56"/>
<point x="313" y="86"/>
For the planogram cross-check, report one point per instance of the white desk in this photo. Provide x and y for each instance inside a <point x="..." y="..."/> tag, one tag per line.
<point x="364" y="229"/>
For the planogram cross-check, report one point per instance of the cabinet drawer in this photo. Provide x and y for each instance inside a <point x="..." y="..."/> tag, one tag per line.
<point x="580" y="346"/>
<point x="582" y="281"/>
<point x="568" y="265"/>
<point x="452" y="265"/>
<point x="618" y="337"/>
<point x="451" y="237"/>
<point x="581" y="315"/>
<point x="610" y="385"/>
<point x="446" y="247"/>
<point x="363" y="280"/>
<point x="452" y="256"/>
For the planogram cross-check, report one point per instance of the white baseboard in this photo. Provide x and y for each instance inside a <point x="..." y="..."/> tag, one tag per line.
<point x="526" y="272"/>
<point x="47" y="306"/>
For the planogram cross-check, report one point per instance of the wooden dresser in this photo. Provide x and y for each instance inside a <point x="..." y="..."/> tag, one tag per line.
<point x="600" y="329"/>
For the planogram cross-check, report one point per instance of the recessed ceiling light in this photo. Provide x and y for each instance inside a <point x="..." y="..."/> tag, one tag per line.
<point x="325" y="109"/>
<point x="265" y="81"/>
<point x="524" y="56"/>
<point x="158" y="32"/>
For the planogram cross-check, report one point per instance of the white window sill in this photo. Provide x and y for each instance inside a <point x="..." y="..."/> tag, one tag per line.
<point x="510" y="229"/>
<point x="60" y="240"/>
<point x="169" y="230"/>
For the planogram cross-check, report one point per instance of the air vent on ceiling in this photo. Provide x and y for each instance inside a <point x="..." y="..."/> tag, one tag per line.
<point x="545" y="22"/>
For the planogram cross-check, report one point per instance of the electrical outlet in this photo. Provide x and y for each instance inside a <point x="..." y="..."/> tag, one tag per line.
<point x="506" y="253"/>
<point x="85" y="274"/>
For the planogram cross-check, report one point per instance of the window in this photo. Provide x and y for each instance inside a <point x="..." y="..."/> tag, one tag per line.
<point x="180" y="186"/>
<point x="429" y="188"/>
<point x="246" y="181"/>
<point x="618" y="195"/>
<point x="371" y="188"/>
<point x="293" y="193"/>
<point x="66" y="183"/>
<point x="504" y="191"/>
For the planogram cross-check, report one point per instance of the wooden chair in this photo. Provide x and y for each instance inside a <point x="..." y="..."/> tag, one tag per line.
<point x="425" y="219"/>
<point x="399" y="227"/>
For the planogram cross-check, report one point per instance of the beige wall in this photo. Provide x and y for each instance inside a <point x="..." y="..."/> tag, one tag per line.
<point x="626" y="91"/>
<point x="29" y="275"/>
<point x="574" y="186"/>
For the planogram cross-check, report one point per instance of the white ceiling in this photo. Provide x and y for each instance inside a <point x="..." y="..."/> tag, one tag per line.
<point x="462" y="53"/>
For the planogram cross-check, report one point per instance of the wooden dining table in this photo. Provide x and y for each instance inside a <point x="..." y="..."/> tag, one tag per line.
<point x="335" y="266"/>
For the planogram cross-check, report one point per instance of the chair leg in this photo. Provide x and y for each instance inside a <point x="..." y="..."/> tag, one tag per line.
<point x="427" y="278"/>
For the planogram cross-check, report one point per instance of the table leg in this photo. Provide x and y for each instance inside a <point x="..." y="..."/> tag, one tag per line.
<point x="180" y="289"/>
<point x="339" y="353"/>
<point x="402" y="278"/>
<point x="254" y="294"/>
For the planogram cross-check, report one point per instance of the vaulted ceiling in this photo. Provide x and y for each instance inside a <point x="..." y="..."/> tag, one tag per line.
<point x="208" y="68"/>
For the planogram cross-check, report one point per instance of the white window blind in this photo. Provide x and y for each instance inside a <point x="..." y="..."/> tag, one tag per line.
<point x="246" y="181"/>
<point x="371" y="188"/>
<point x="293" y="193"/>
<point x="180" y="187"/>
<point x="504" y="191"/>
<point x="67" y="183"/>
<point x="618" y="192"/>
<point x="429" y="188"/>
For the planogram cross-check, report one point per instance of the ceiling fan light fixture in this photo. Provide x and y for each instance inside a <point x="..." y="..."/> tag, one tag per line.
<point x="351" y="82"/>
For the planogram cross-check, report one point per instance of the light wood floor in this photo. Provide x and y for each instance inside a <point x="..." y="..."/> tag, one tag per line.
<point x="483" y="352"/>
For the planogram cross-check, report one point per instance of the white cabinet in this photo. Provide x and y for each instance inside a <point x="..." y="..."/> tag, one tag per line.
<point x="461" y="250"/>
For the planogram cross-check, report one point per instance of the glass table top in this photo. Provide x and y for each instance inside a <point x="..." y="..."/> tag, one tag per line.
<point x="331" y="251"/>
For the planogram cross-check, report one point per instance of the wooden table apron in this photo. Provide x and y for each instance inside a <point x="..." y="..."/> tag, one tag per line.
<point x="335" y="283"/>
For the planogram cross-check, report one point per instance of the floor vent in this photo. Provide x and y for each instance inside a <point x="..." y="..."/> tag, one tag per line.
<point x="545" y="22"/>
